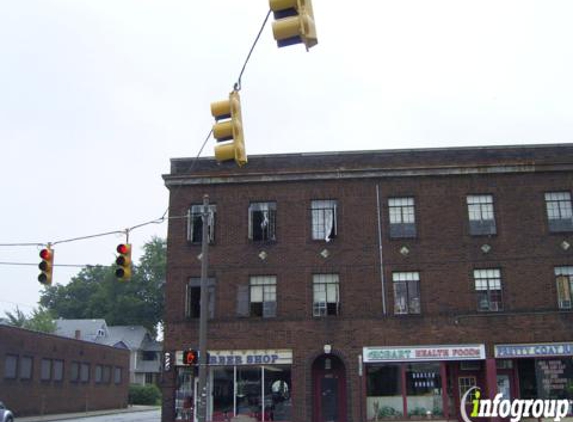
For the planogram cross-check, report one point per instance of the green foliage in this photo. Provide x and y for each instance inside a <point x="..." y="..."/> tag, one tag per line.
<point x="95" y="292"/>
<point x="41" y="319"/>
<point x="144" y="394"/>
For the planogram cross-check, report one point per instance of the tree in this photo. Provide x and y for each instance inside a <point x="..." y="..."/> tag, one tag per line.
<point x="40" y="320"/>
<point x="95" y="292"/>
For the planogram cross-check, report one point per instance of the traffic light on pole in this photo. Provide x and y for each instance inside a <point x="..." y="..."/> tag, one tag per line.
<point x="190" y="357"/>
<point x="123" y="262"/>
<point x="46" y="266"/>
<point x="294" y="22"/>
<point x="229" y="126"/>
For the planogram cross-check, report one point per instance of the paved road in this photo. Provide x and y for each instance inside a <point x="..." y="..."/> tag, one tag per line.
<point x="147" y="416"/>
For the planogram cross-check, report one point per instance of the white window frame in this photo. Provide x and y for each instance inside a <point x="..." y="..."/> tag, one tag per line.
<point x="564" y="285"/>
<point x="408" y="283"/>
<point x="263" y="294"/>
<point x="195" y="223"/>
<point x="481" y="214"/>
<point x="268" y="224"/>
<point x="559" y="211"/>
<point x="324" y="219"/>
<point x="402" y="216"/>
<point x="326" y="295"/>
<point x="488" y="280"/>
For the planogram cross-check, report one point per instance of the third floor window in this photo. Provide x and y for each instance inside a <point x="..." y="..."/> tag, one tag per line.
<point x="559" y="211"/>
<point x="564" y="279"/>
<point x="324" y="219"/>
<point x="195" y="223"/>
<point x="262" y="221"/>
<point x="481" y="214"/>
<point x="402" y="217"/>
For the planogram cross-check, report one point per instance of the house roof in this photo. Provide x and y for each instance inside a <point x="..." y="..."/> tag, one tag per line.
<point x="89" y="329"/>
<point x="130" y="336"/>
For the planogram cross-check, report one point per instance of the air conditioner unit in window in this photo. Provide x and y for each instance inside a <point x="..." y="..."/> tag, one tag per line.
<point x="564" y="304"/>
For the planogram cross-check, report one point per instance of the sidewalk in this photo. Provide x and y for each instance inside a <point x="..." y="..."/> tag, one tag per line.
<point x="79" y="415"/>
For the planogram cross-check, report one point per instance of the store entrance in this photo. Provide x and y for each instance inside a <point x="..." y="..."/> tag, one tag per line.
<point x="329" y="389"/>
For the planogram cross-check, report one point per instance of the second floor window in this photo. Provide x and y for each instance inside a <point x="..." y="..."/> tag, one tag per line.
<point x="195" y="224"/>
<point x="262" y="221"/>
<point x="406" y="293"/>
<point x="488" y="289"/>
<point x="324" y="219"/>
<point x="564" y="279"/>
<point x="193" y="298"/>
<point x="559" y="211"/>
<point x="481" y="214"/>
<point x="402" y="218"/>
<point x="325" y="295"/>
<point x="263" y="296"/>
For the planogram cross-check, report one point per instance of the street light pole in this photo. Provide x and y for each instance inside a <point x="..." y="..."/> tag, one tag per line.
<point x="204" y="315"/>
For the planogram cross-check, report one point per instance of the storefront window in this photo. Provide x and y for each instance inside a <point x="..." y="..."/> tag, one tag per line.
<point x="278" y="402"/>
<point x="424" y="390"/>
<point x="223" y="390"/>
<point x="184" y="395"/>
<point x="546" y="378"/>
<point x="384" y="391"/>
<point x="248" y="391"/>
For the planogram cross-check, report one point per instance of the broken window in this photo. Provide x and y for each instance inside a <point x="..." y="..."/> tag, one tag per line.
<point x="195" y="223"/>
<point x="193" y="298"/>
<point x="262" y="221"/>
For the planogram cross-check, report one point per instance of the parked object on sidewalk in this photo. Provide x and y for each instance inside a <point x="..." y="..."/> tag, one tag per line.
<point x="5" y="414"/>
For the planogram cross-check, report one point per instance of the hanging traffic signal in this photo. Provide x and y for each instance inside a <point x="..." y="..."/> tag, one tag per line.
<point x="190" y="357"/>
<point x="229" y="126"/>
<point x="294" y="22"/>
<point x="46" y="266"/>
<point x="123" y="262"/>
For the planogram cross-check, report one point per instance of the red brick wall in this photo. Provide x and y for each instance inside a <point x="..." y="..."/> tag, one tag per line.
<point x="36" y="397"/>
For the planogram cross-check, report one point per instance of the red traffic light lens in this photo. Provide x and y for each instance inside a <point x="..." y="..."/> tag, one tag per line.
<point x="45" y="254"/>
<point x="122" y="249"/>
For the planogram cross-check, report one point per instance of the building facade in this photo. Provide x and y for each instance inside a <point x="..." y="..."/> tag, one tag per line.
<point x="363" y="286"/>
<point x="42" y="374"/>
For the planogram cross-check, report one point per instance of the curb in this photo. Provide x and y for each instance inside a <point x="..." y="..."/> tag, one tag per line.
<point x="80" y="415"/>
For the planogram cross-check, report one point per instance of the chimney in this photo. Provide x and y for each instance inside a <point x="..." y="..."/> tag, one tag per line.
<point x="78" y="335"/>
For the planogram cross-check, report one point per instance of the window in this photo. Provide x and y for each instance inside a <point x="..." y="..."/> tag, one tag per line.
<point x="262" y="221"/>
<point x="10" y="366"/>
<point x="481" y="214"/>
<point x="263" y="296"/>
<point x="564" y="279"/>
<point x="46" y="370"/>
<point x="106" y="374"/>
<point x="58" y="370"/>
<point x="326" y="295"/>
<point x="559" y="211"/>
<point x="488" y="288"/>
<point x="75" y="372"/>
<point x="117" y="375"/>
<point x="149" y="378"/>
<point x="193" y="300"/>
<point x="148" y="356"/>
<point x="195" y="223"/>
<point x="26" y="363"/>
<point x="402" y="218"/>
<point x="406" y="293"/>
<point x="98" y="374"/>
<point x="323" y="220"/>
<point x="85" y="372"/>
<point x="466" y="383"/>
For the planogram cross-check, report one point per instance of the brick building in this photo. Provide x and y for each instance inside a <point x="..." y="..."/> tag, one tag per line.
<point x="360" y="286"/>
<point x="43" y="374"/>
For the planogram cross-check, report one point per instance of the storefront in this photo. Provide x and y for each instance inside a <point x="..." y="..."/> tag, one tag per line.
<point x="251" y="382"/>
<point x="416" y="382"/>
<point x="539" y="371"/>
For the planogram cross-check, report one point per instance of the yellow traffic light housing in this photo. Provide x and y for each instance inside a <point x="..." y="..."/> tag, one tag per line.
<point x="229" y="126"/>
<point x="46" y="266"/>
<point x="123" y="262"/>
<point x="294" y="22"/>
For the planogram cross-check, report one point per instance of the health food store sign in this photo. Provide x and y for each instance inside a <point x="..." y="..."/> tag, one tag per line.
<point x="424" y="353"/>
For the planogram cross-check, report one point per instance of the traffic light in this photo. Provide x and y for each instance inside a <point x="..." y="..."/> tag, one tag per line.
<point x="190" y="357"/>
<point x="294" y="22"/>
<point x="229" y="126"/>
<point x="46" y="266"/>
<point x="123" y="262"/>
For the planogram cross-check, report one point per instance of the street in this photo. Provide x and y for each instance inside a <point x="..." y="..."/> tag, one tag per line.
<point x="147" y="416"/>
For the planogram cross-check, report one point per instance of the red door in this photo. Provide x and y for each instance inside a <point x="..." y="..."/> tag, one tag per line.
<point x="329" y="387"/>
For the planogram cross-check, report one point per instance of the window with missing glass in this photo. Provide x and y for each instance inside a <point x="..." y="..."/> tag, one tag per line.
<point x="195" y="223"/>
<point x="263" y="296"/>
<point x="402" y="217"/>
<point x="406" y="292"/>
<point x="324" y="216"/>
<point x="488" y="289"/>
<point x="564" y="280"/>
<point x="326" y="297"/>
<point x="193" y="298"/>
<point x="481" y="215"/>
<point x="559" y="211"/>
<point x="262" y="221"/>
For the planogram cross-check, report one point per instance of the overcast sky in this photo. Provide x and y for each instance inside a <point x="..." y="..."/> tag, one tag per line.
<point x="97" y="95"/>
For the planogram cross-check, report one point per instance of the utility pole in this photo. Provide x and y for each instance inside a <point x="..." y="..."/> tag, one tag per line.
<point x="204" y="314"/>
